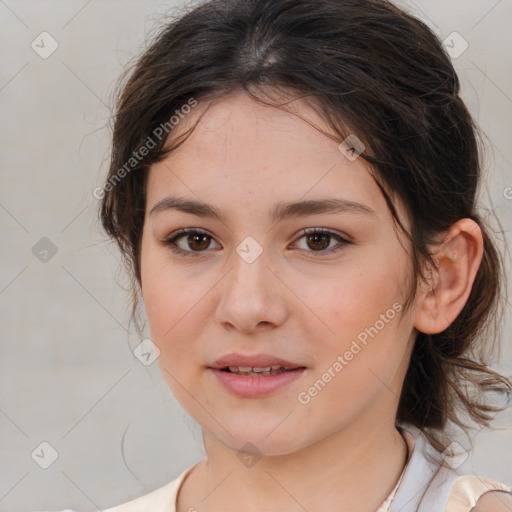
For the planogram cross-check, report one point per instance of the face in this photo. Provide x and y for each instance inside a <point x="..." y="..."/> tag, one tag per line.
<point x="252" y="282"/>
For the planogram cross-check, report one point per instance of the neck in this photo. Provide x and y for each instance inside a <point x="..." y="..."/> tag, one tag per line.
<point x="355" y="468"/>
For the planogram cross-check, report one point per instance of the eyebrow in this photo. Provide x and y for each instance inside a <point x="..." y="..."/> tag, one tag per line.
<point x="281" y="210"/>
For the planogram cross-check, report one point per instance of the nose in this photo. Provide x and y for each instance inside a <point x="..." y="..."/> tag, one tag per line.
<point x="252" y="297"/>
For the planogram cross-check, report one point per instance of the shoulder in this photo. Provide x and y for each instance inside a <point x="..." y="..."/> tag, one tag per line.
<point x="162" y="499"/>
<point x="472" y="493"/>
<point x="153" y="500"/>
<point x="494" y="501"/>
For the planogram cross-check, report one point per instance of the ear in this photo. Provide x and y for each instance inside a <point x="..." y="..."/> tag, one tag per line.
<point x="457" y="261"/>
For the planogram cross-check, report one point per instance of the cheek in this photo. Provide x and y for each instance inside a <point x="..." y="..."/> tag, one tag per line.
<point x="175" y="306"/>
<point x="172" y="319"/>
<point x="162" y="295"/>
<point x="362" y="310"/>
<point x="353" y="301"/>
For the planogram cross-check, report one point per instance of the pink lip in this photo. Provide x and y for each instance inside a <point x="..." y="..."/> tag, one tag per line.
<point x="256" y="360"/>
<point x="253" y="387"/>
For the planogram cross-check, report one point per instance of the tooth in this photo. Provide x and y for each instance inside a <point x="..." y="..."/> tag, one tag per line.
<point x="248" y="371"/>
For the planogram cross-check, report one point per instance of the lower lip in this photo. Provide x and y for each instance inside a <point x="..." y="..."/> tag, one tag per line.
<point x="252" y="387"/>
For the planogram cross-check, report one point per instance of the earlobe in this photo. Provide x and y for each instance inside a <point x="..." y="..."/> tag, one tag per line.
<point x="457" y="260"/>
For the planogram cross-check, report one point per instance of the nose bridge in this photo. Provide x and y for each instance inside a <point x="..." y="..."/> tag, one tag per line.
<point x="250" y="294"/>
<point x="250" y="270"/>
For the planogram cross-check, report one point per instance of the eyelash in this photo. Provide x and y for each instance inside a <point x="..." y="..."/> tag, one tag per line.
<point x="171" y="240"/>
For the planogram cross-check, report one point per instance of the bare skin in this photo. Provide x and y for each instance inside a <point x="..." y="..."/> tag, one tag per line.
<point x="494" y="501"/>
<point x="340" y="450"/>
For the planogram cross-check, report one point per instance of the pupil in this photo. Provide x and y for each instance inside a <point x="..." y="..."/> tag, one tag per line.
<point x="315" y="237"/>
<point x="197" y="236"/>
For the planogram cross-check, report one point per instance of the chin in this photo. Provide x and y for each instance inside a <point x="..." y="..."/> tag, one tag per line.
<point x="262" y="439"/>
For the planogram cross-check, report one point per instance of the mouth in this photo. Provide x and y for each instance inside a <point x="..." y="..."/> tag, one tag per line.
<point x="255" y="365"/>
<point x="256" y="375"/>
<point x="255" y="384"/>
<point x="258" y="371"/>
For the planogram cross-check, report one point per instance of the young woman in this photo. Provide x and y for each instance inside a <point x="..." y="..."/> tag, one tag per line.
<point x="293" y="186"/>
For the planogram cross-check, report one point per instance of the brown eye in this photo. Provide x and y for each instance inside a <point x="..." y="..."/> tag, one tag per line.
<point x="197" y="241"/>
<point x="318" y="240"/>
<point x="189" y="242"/>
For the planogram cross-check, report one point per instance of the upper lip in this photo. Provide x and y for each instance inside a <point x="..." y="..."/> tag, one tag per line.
<point x="256" y="360"/>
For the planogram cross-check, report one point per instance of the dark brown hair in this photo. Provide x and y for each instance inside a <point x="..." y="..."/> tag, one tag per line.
<point x="369" y="69"/>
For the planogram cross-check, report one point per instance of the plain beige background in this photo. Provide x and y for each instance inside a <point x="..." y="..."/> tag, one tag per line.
<point x="69" y="379"/>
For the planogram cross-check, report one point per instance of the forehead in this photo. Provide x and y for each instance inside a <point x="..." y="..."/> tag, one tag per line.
<point x="243" y="149"/>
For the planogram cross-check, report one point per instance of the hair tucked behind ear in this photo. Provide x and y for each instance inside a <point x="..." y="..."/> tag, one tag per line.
<point x="445" y="364"/>
<point x="372" y="70"/>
